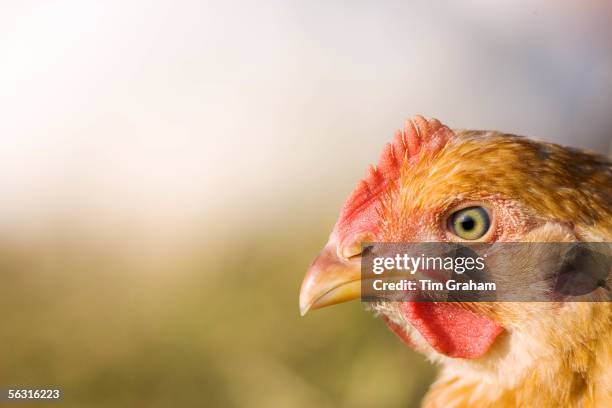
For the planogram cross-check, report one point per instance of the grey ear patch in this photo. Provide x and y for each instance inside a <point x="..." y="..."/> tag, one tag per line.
<point x="583" y="270"/>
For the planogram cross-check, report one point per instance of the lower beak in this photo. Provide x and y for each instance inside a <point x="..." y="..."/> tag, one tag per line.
<point x="330" y="280"/>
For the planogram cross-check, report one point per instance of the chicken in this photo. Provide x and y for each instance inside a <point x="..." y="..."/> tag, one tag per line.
<point x="530" y="354"/>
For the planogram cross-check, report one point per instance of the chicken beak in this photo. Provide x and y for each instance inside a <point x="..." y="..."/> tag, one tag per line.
<point x="330" y="279"/>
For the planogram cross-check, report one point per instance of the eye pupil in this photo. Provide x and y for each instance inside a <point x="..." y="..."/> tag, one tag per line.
<point x="468" y="223"/>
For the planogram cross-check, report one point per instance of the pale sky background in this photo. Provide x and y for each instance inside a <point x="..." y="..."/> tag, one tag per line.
<point x="171" y="115"/>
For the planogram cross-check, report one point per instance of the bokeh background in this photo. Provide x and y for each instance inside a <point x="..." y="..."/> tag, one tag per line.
<point x="168" y="169"/>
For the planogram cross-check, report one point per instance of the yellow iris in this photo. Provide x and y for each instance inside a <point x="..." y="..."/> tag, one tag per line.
<point x="470" y="223"/>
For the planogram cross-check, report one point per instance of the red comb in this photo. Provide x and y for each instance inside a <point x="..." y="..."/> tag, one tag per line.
<point x="419" y="134"/>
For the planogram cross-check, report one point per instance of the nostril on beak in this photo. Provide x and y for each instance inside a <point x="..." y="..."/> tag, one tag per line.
<point x="354" y="245"/>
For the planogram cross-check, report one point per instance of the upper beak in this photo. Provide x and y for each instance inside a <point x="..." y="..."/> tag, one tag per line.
<point x="330" y="280"/>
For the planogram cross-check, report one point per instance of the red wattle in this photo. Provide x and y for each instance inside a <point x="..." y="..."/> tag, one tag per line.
<point x="452" y="330"/>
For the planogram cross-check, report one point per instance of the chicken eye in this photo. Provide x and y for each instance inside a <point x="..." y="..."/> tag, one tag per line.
<point x="470" y="223"/>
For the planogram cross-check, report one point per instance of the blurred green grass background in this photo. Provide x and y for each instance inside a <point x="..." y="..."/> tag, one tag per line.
<point x="212" y="324"/>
